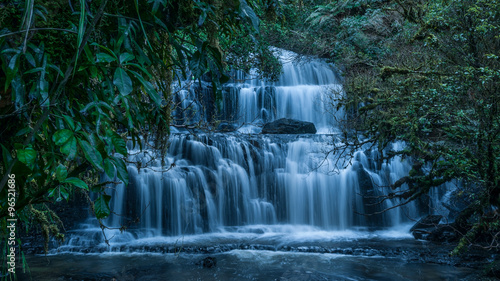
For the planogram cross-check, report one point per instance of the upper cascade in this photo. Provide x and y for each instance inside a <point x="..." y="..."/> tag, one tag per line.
<point x="305" y="91"/>
<point x="299" y="70"/>
<point x="302" y="92"/>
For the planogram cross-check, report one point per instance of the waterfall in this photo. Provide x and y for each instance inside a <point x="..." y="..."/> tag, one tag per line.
<point x="218" y="182"/>
<point x="300" y="93"/>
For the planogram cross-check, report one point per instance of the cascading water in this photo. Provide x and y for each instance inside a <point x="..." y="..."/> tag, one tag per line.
<point x="234" y="182"/>
<point x="299" y="94"/>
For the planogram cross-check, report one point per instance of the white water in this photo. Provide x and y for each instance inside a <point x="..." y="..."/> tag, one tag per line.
<point x="302" y="92"/>
<point x="280" y="188"/>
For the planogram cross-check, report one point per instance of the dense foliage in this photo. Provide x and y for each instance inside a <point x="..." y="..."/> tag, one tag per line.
<point x="426" y="73"/>
<point x="79" y="78"/>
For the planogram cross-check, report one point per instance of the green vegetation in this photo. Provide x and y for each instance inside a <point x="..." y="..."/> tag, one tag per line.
<point x="423" y="72"/>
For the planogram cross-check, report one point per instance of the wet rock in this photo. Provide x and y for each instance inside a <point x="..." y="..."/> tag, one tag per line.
<point x="371" y="252"/>
<point x="443" y="233"/>
<point x="289" y="126"/>
<point x="430" y="221"/>
<point x="429" y="228"/>
<point x="227" y="127"/>
<point x="370" y="197"/>
<point x="284" y="248"/>
<point x="303" y="249"/>
<point x="230" y="97"/>
<point x="266" y="101"/>
<point x="209" y="262"/>
<point x="347" y="251"/>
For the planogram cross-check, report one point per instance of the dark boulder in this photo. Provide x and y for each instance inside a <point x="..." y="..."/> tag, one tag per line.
<point x="429" y="229"/>
<point x="370" y="196"/>
<point x="289" y="126"/>
<point x="444" y="233"/>
<point x="227" y="127"/>
<point x="430" y="221"/>
<point x="439" y="233"/>
<point x="209" y="262"/>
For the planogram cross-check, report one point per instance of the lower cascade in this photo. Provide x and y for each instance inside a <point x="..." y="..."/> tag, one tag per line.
<point x="245" y="182"/>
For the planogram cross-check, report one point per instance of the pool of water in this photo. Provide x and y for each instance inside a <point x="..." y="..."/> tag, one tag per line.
<point x="236" y="265"/>
<point x="255" y="253"/>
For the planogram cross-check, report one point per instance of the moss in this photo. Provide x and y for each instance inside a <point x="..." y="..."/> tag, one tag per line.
<point x="368" y="107"/>
<point x="47" y="226"/>
<point x="388" y="71"/>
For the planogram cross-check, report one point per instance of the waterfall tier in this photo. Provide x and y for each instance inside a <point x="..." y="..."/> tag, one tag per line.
<point x="303" y="92"/>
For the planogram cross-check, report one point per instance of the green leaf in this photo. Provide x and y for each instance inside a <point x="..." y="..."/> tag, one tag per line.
<point x="13" y="63"/>
<point x="144" y="71"/>
<point x="91" y="154"/>
<point x="121" y="169"/>
<point x="52" y="191"/>
<point x="150" y="90"/>
<point x="10" y="50"/>
<point x="93" y="72"/>
<point x="30" y="59"/>
<point x="11" y="71"/>
<point x="64" y="193"/>
<point x="77" y="182"/>
<point x="69" y="121"/>
<point x="33" y="70"/>
<point x="198" y="64"/>
<point x="61" y="172"/>
<point x="18" y="92"/>
<point x="125" y="57"/>
<point x="69" y="148"/>
<point x="122" y="81"/>
<point x="109" y="168"/>
<point x="142" y="57"/>
<point x="101" y="206"/>
<point x="248" y="13"/>
<point x="202" y="18"/>
<point x="103" y="57"/>
<point x="142" y="25"/>
<point x="7" y="158"/>
<point x="119" y="144"/>
<point x="81" y="26"/>
<point x="56" y="69"/>
<point x="23" y="131"/>
<point x="27" y="156"/>
<point x="62" y="136"/>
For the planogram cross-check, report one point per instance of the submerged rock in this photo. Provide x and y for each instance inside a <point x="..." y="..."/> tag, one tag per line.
<point x="289" y="126"/>
<point x="209" y="262"/>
